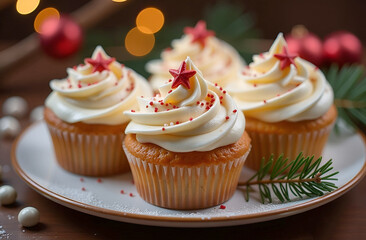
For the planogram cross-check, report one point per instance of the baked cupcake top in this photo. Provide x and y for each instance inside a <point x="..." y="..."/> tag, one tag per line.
<point x="280" y="86"/>
<point x="190" y="114"/>
<point x="217" y="60"/>
<point x="97" y="92"/>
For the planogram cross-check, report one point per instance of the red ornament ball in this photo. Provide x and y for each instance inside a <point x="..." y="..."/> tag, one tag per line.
<point x="342" y="47"/>
<point x="60" y="37"/>
<point x="307" y="45"/>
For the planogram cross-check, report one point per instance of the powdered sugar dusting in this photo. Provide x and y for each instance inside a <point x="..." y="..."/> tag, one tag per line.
<point x="4" y="234"/>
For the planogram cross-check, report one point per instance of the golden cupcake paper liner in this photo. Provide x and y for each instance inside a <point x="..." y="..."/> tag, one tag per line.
<point x="185" y="187"/>
<point x="264" y="144"/>
<point x="89" y="154"/>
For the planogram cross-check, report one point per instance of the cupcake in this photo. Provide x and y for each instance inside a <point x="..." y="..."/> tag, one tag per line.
<point x="287" y="102"/>
<point x="186" y="147"/>
<point x="84" y="114"/>
<point x="217" y="60"/>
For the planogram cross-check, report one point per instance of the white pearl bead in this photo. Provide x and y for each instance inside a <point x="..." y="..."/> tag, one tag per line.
<point x="37" y="114"/>
<point x="15" y="106"/>
<point x="8" y="195"/>
<point x="9" y="127"/>
<point x="28" y="217"/>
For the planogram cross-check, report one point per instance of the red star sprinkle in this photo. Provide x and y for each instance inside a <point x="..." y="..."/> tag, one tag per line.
<point x="199" y="32"/>
<point x="286" y="58"/>
<point x="181" y="76"/>
<point x="99" y="64"/>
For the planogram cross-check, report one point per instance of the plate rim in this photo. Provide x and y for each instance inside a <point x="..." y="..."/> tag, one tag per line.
<point x="301" y="207"/>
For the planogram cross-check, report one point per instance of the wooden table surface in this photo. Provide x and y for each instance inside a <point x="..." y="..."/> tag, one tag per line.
<point x="343" y="218"/>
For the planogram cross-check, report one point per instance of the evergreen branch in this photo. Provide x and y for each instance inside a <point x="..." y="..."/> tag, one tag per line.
<point x="296" y="180"/>
<point x="349" y="85"/>
<point x="301" y="177"/>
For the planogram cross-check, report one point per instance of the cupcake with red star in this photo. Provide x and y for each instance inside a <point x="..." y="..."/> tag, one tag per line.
<point x="84" y="114"/>
<point x="187" y="145"/>
<point x="288" y="104"/>
<point x="217" y="60"/>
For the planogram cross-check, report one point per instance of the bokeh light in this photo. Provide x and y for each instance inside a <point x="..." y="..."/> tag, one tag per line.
<point x="119" y="0"/>
<point x="150" y="20"/>
<point x="26" y="6"/>
<point x="44" y="15"/>
<point x="138" y="43"/>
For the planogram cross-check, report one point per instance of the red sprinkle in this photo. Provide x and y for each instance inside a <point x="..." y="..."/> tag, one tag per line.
<point x="190" y="119"/>
<point x="215" y="84"/>
<point x="222" y="207"/>
<point x="177" y="122"/>
<point x="254" y="85"/>
<point x="147" y="106"/>
<point x="132" y="110"/>
<point x="234" y="111"/>
<point x="207" y="108"/>
<point x="198" y="102"/>
<point x="99" y="180"/>
<point x="265" y="101"/>
<point x="170" y="91"/>
<point x="163" y="129"/>
<point x="151" y="103"/>
<point x="131" y="195"/>
<point x="202" y="104"/>
<point x="221" y="97"/>
<point x="115" y="84"/>
<point x="170" y="80"/>
<point x="83" y="189"/>
<point x="278" y="95"/>
<point x="79" y="85"/>
<point x="224" y="92"/>
<point x="221" y="88"/>
<point x="122" y="192"/>
<point x="220" y="102"/>
<point x="166" y="104"/>
<point x="156" y="110"/>
<point x="81" y="179"/>
<point x="227" y="118"/>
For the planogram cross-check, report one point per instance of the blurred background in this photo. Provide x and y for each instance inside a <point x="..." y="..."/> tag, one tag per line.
<point x="28" y="58"/>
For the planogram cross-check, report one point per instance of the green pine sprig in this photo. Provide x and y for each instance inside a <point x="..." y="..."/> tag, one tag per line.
<point x="349" y="86"/>
<point x="301" y="177"/>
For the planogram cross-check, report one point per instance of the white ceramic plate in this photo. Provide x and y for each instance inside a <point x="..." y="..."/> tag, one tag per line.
<point x="33" y="159"/>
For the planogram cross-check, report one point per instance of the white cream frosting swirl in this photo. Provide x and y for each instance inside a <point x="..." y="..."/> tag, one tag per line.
<point x="218" y="61"/>
<point x="201" y="118"/>
<point x="266" y="92"/>
<point x="98" y="97"/>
